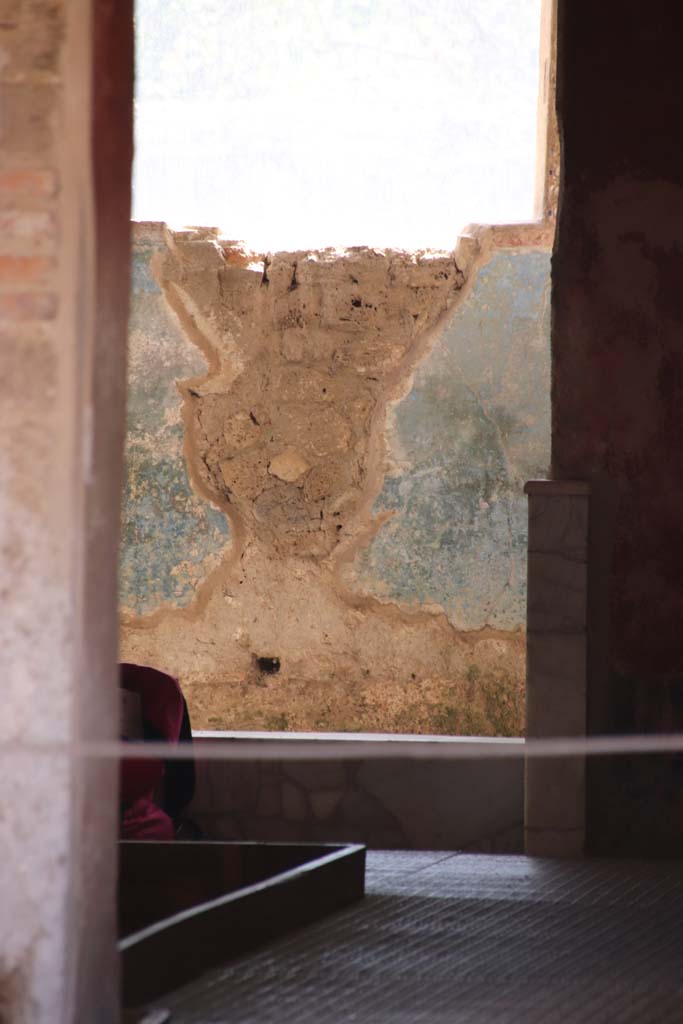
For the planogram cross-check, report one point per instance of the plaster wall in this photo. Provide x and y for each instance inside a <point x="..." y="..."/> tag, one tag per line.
<point x="324" y="521"/>
<point x="617" y="372"/>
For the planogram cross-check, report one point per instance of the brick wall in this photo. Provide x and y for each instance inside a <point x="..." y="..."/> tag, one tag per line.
<point x="60" y="419"/>
<point x="31" y="35"/>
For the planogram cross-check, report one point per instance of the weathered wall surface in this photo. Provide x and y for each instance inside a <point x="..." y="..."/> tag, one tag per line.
<point x="462" y="443"/>
<point x="366" y="424"/>
<point x="172" y="538"/>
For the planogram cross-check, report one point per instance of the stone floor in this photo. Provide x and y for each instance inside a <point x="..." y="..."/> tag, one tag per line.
<point x="469" y="938"/>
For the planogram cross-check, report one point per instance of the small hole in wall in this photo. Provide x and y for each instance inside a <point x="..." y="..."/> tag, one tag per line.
<point x="269" y="666"/>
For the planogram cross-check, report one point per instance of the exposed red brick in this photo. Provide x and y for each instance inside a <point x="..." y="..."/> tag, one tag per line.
<point x="20" y="183"/>
<point x="24" y="306"/>
<point x="23" y="270"/>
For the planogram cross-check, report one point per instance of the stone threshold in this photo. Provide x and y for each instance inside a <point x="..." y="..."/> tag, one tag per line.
<point x="314" y="745"/>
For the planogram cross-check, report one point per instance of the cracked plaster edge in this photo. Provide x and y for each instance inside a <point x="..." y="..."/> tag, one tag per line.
<point x="476" y="246"/>
<point x="159" y="234"/>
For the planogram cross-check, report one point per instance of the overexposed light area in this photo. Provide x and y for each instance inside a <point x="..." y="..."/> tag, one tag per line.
<point x="309" y="123"/>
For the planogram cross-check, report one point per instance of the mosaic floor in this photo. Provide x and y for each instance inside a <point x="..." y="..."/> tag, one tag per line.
<point x="469" y="940"/>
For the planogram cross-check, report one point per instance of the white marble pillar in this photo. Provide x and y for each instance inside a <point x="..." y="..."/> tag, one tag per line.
<point x="554" y="810"/>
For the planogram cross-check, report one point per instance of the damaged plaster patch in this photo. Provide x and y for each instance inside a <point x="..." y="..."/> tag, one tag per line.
<point x="171" y="538"/>
<point x="309" y="344"/>
<point x="473" y="428"/>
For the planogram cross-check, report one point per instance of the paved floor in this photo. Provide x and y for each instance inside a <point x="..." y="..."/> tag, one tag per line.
<point x="469" y="940"/>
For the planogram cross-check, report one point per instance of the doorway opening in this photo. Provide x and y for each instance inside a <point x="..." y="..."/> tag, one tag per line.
<point x="327" y="447"/>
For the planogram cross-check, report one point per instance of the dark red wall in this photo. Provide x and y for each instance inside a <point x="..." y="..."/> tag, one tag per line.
<point x="618" y="387"/>
<point x="112" y="154"/>
<point x="105" y="382"/>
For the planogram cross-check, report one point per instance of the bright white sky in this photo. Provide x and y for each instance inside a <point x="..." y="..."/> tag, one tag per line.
<point x="307" y="123"/>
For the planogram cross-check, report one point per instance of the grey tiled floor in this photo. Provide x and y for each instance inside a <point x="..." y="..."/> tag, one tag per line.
<point x="469" y="940"/>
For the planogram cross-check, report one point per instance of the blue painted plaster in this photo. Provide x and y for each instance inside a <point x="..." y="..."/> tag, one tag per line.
<point x="474" y="427"/>
<point x="171" y="538"/>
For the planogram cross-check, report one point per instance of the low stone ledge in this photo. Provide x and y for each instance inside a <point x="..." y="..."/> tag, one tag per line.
<point x="391" y="800"/>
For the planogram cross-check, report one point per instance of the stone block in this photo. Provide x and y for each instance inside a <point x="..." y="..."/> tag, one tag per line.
<point x="369" y="813"/>
<point x="555" y="793"/>
<point x="469" y="800"/>
<point x="294" y="805"/>
<point x="547" y="842"/>
<point x="227" y="787"/>
<point x="289" y="465"/>
<point x="556" y="592"/>
<point x="556" y="694"/>
<point x="269" y="798"/>
<point x="559" y="524"/>
<point x="324" y="802"/>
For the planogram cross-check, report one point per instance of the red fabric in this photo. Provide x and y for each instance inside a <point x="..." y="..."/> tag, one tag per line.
<point x="161" y="704"/>
<point x="143" y="819"/>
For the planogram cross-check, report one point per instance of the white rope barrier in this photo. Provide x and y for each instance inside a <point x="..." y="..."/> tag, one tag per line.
<point x="351" y="747"/>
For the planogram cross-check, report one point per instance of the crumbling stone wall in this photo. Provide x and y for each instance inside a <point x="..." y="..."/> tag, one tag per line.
<point x="291" y="432"/>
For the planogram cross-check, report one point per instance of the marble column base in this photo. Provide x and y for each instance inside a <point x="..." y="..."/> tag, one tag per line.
<point x="554" y="811"/>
